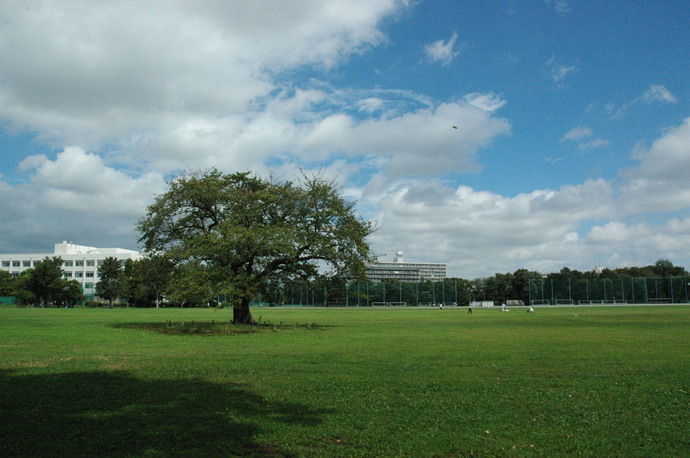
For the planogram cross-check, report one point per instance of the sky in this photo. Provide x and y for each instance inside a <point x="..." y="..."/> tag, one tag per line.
<point x="490" y="135"/>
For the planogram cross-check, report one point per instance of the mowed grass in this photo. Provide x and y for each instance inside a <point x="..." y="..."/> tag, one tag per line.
<point x="363" y="382"/>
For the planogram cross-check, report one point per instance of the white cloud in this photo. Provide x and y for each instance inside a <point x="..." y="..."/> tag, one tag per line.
<point x="583" y="136"/>
<point x="136" y="74"/>
<point x="488" y="102"/>
<point x="577" y="133"/>
<point x="442" y="51"/>
<point x="561" y="6"/>
<point x="480" y="233"/>
<point x="660" y="182"/>
<point x="402" y="140"/>
<point x="635" y="244"/>
<point x="80" y="181"/>
<point x="559" y="71"/>
<point x="658" y="93"/>
<point x="594" y="143"/>
<point x="655" y="93"/>
<point x="76" y="196"/>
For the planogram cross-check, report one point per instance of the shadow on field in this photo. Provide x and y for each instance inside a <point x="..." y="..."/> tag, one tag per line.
<point x="219" y="328"/>
<point x="115" y="414"/>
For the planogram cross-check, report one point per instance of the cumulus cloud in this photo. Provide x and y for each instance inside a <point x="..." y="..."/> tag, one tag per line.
<point x="442" y="51"/>
<point x="135" y="78"/>
<point x="480" y="233"/>
<point x="461" y="225"/>
<point x="427" y="132"/>
<point x="623" y="244"/>
<point x="659" y="183"/>
<point x="76" y="195"/>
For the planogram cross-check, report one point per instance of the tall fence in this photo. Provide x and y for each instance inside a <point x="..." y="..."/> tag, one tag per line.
<point x="365" y="294"/>
<point x="643" y="290"/>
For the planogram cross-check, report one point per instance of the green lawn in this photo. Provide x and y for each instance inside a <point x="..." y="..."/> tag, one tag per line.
<point x="562" y="381"/>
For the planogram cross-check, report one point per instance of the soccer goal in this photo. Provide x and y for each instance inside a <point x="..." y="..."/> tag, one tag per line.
<point x="564" y="302"/>
<point x="539" y="302"/>
<point x="379" y="304"/>
<point x="399" y="304"/>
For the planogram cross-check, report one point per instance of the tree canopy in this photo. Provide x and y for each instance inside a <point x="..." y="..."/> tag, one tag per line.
<point x="246" y="230"/>
<point x="44" y="280"/>
<point x="112" y="282"/>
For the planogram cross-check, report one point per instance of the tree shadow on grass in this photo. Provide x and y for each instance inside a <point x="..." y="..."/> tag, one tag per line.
<point x="114" y="414"/>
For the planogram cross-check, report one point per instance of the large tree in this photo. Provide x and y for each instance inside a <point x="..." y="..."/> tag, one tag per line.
<point x="246" y="230"/>
<point x="44" y="280"/>
<point x="111" y="283"/>
<point x="148" y="279"/>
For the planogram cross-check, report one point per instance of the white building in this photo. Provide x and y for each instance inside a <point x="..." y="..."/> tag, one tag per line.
<point x="406" y="271"/>
<point x="79" y="262"/>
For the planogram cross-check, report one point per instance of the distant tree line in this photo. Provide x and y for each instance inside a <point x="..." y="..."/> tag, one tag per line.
<point x="515" y="286"/>
<point x="156" y="281"/>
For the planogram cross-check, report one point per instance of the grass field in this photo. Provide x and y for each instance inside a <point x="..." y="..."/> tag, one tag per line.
<point x="362" y="382"/>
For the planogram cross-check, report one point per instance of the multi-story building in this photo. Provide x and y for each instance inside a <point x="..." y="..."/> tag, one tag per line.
<point x="406" y="271"/>
<point x="78" y="262"/>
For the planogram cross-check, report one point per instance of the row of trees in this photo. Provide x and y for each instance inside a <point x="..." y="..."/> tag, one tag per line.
<point x="156" y="280"/>
<point x="44" y="284"/>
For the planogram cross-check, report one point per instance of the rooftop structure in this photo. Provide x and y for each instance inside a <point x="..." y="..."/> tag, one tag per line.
<point x="406" y="271"/>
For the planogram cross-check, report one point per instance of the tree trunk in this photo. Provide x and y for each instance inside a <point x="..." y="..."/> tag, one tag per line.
<point x="241" y="313"/>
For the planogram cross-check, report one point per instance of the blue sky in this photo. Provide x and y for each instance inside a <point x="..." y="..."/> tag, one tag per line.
<point x="489" y="135"/>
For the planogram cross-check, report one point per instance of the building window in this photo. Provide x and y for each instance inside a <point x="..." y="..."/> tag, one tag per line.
<point x="78" y="274"/>
<point x="68" y="275"/>
<point x="5" y="263"/>
<point x="79" y="263"/>
<point x="68" y="263"/>
<point x="89" y="274"/>
<point x="26" y="263"/>
<point x="90" y="263"/>
<point x="88" y="285"/>
<point x="15" y="263"/>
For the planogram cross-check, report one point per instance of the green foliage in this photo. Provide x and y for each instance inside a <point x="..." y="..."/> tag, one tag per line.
<point x="69" y="294"/>
<point x="149" y="279"/>
<point x="5" y="283"/>
<point x="246" y="231"/>
<point x="111" y="284"/>
<point x="192" y="285"/>
<point x="44" y="281"/>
